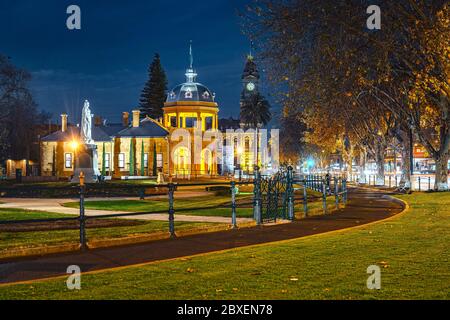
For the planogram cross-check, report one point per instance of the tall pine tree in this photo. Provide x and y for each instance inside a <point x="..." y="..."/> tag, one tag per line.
<point x="154" y="93"/>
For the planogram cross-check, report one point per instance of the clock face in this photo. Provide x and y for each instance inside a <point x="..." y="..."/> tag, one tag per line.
<point x="250" y="86"/>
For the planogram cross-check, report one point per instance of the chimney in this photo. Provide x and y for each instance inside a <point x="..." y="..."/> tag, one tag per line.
<point x="97" y="121"/>
<point x="136" y="115"/>
<point x="64" y="122"/>
<point x="125" y="116"/>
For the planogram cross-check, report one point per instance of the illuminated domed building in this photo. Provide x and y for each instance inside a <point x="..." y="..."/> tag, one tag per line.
<point x="191" y="106"/>
<point x="143" y="148"/>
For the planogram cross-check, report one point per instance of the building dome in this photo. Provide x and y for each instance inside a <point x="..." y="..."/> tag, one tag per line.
<point x="190" y="91"/>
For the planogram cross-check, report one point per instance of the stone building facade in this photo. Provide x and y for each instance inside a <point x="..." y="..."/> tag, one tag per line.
<point x="124" y="150"/>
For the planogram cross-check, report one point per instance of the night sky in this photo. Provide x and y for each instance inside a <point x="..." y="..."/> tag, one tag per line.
<point x="106" y="61"/>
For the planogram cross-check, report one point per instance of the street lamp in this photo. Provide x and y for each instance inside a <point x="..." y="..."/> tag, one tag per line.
<point x="74" y="145"/>
<point x="239" y="151"/>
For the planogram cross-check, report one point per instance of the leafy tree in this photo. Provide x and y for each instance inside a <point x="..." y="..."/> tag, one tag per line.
<point x="255" y="111"/>
<point x="154" y="93"/>
<point x="364" y="90"/>
<point x="292" y="136"/>
<point x="19" y="116"/>
<point x="155" y="167"/>
<point x="142" y="159"/>
<point x="132" y="157"/>
<point x="103" y="160"/>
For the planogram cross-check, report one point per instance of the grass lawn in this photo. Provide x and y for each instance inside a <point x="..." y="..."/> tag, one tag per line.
<point x="19" y="214"/>
<point x="183" y="206"/>
<point x="412" y="250"/>
<point x="34" y="239"/>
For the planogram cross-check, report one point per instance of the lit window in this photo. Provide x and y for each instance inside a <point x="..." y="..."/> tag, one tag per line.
<point x="107" y="155"/>
<point x="121" y="160"/>
<point x="145" y="160"/>
<point x="208" y="123"/>
<point x="159" y="160"/>
<point x="191" y="122"/>
<point x="188" y="94"/>
<point x="173" y="122"/>
<point x="68" y="160"/>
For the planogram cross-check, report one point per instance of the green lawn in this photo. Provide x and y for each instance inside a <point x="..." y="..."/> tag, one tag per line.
<point x="19" y="214"/>
<point x="36" y="239"/>
<point x="413" y="251"/>
<point x="182" y="206"/>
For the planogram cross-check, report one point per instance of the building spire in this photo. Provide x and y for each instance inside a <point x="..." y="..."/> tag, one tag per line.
<point x="191" y="57"/>
<point x="190" y="72"/>
<point x="250" y="55"/>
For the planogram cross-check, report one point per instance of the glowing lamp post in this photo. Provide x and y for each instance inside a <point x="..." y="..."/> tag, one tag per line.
<point x="240" y="150"/>
<point x="74" y="145"/>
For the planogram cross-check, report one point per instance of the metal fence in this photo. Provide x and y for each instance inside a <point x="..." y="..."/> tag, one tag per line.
<point x="327" y="185"/>
<point x="273" y="198"/>
<point x="418" y="182"/>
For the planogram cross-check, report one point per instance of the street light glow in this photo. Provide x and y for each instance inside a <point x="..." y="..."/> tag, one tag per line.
<point x="74" y="145"/>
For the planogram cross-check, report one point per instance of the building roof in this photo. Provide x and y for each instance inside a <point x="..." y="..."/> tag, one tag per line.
<point x="190" y="91"/>
<point x="148" y="128"/>
<point x="250" y="68"/>
<point x="112" y="129"/>
<point x="229" y="123"/>
<point x="73" y="132"/>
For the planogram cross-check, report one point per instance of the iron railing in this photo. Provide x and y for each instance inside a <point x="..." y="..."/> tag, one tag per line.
<point x="273" y="198"/>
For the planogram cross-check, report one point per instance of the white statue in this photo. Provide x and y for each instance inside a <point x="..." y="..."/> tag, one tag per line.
<point x="89" y="164"/>
<point x="86" y="124"/>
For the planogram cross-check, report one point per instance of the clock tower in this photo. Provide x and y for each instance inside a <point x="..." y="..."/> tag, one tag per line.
<point x="250" y="79"/>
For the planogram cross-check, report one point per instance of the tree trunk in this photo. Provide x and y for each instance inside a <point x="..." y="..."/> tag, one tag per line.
<point x="405" y="179"/>
<point x="441" y="178"/>
<point x="362" y="167"/>
<point x="379" y="159"/>
<point x="350" y="167"/>
<point x="349" y="160"/>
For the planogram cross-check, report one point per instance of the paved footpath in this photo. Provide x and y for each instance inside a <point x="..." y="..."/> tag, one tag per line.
<point x="56" y="206"/>
<point x="364" y="206"/>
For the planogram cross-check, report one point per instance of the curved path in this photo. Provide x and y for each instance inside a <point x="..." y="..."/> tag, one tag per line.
<point x="364" y="206"/>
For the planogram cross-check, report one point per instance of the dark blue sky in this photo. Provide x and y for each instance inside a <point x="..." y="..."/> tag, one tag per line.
<point x="107" y="60"/>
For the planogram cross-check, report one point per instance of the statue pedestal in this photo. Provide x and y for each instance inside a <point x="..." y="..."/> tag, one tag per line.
<point x="86" y="161"/>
